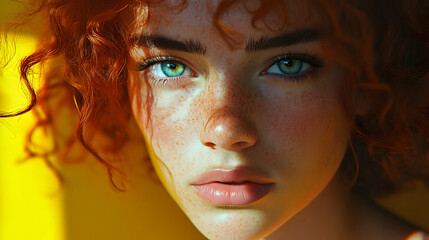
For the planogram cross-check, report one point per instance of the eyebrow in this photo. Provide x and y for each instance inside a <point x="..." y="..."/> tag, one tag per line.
<point x="193" y="46"/>
<point x="284" y="40"/>
<point x="190" y="46"/>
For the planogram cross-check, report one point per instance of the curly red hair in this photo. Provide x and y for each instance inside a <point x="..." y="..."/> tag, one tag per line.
<point x="388" y="40"/>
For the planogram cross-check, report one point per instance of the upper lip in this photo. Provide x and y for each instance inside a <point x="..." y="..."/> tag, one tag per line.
<point x="232" y="175"/>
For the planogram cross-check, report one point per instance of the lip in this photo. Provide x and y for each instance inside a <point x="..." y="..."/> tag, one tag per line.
<point x="238" y="186"/>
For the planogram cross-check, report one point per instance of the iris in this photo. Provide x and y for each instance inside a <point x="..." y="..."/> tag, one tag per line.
<point x="290" y="66"/>
<point x="172" y="68"/>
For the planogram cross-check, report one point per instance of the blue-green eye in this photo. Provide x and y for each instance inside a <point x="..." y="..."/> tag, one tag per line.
<point x="172" y="68"/>
<point x="166" y="71"/>
<point x="288" y="66"/>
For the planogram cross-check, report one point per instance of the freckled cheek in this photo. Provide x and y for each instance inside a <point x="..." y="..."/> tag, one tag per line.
<point x="308" y="136"/>
<point x="170" y="124"/>
<point x="297" y="119"/>
<point x="168" y="132"/>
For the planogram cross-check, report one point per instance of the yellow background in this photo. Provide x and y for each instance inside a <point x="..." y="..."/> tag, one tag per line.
<point x="34" y="206"/>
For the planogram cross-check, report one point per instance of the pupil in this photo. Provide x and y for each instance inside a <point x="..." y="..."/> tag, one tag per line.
<point x="171" y="66"/>
<point x="288" y="63"/>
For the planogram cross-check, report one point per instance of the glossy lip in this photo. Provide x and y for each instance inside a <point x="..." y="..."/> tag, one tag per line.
<point x="238" y="186"/>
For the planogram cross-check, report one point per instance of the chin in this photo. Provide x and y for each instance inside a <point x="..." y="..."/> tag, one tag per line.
<point x="232" y="223"/>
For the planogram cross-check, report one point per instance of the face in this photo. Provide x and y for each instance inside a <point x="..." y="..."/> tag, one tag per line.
<point x="242" y="137"/>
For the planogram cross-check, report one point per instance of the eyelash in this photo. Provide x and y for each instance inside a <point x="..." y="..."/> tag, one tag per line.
<point x="154" y="60"/>
<point x="315" y="63"/>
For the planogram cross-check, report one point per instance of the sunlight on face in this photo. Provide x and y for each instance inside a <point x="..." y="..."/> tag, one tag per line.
<point x="242" y="138"/>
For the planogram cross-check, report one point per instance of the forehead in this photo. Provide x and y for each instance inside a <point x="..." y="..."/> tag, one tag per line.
<point x="241" y="19"/>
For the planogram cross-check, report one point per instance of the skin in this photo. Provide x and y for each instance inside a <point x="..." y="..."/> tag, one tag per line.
<point x="223" y="114"/>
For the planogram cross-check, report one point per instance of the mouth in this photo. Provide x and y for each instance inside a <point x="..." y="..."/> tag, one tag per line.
<point x="239" y="186"/>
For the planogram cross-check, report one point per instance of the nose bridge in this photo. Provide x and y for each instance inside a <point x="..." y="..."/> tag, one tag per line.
<point x="228" y="88"/>
<point x="227" y="122"/>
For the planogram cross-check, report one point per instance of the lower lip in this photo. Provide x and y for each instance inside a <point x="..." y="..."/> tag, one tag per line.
<point x="232" y="194"/>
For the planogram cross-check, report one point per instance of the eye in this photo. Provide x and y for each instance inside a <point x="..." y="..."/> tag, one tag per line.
<point x="293" y="67"/>
<point x="288" y="66"/>
<point x="169" y="69"/>
<point x="165" y="67"/>
<point x="166" y="71"/>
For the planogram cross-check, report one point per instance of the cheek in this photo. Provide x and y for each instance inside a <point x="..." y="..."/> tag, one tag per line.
<point x="306" y="134"/>
<point x="309" y="129"/>
<point x="171" y="129"/>
<point x="154" y="115"/>
<point x="170" y="122"/>
<point x="291" y="116"/>
<point x="164" y="128"/>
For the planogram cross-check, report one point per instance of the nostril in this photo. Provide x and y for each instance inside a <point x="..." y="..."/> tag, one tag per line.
<point x="240" y="144"/>
<point x="210" y="145"/>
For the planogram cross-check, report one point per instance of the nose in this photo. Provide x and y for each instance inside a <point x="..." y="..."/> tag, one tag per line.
<point x="227" y="129"/>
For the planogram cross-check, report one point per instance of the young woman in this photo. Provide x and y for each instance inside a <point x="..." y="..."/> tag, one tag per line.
<point x="258" y="116"/>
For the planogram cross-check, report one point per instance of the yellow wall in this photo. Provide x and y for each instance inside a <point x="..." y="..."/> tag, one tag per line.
<point x="29" y="198"/>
